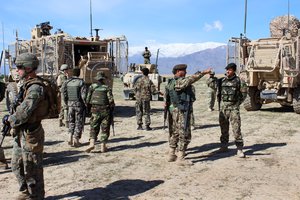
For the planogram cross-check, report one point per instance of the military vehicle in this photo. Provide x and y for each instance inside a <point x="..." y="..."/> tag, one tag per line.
<point x="134" y="73"/>
<point x="89" y="54"/>
<point x="269" y="66"/>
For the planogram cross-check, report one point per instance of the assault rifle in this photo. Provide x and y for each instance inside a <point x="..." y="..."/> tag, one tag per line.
<point x="111" y="113"/>
<point x="187" y="112"/>
<point x="5" y="129"/>
<point x="219" y="86"/>
<point x="166" y="111"/>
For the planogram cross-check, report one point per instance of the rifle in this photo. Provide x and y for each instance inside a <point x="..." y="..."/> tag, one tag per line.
<point x="111" y="113"/>
<point x="5" y="129"/>
<point x="187" y="113"/>
<point x="219" y="86"/>
<point x="166" y="111"/>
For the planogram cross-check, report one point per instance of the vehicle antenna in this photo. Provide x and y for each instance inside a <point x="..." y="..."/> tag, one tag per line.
<point x="91" y="18"/>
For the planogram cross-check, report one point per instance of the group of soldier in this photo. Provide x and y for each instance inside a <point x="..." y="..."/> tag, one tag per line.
<point x="179" y="96"/>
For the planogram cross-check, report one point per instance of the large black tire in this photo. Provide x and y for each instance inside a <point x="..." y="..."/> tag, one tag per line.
<point x="252" y="101"/>
<point x="10" y="94"/>
<point x="296" y="101"/>
<point x="2" y="90"/>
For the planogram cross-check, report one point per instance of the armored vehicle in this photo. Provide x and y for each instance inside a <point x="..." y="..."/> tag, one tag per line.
<point x="269" y="66"/>
<point x="89" y="54"/>
<point x="134" y="73"/>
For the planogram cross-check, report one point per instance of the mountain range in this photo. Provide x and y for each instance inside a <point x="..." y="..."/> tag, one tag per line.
<point x="199" y="60"/>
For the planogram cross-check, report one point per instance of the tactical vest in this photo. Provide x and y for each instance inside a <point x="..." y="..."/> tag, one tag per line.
<point x="180" y="98"/>
<point x="230" y="89"/>
<point x="99" y="95"/>
<point x="73" y="89"/>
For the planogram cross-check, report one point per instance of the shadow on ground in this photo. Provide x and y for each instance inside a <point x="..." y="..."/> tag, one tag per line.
<point x="121" y="189"/>
<point x="62" y="157"/>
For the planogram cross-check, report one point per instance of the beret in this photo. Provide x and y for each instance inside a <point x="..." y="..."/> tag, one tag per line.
<point x="179" y="67"/>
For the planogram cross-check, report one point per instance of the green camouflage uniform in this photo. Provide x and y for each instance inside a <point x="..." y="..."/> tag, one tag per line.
<point x="74" y="92"/>
<point x="28" y="140"/>
<point x="211" y="92"/>
<point x="178" y="88"/>
<point x="146" y="55"/>
<point x="233" y="92"/>
<point x="143" y="88"/>
<point x="101" y="99"/>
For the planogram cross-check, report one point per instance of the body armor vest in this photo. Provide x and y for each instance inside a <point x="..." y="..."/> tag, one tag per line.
<point x="230" y="89"/>
<point x="99" y="95"/>
<point x="73" y="89"/>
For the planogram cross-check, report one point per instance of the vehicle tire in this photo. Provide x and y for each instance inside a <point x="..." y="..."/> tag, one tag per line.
<point x="296" y="101"/>
<point x="252" y="101"/>
<point x="2" y="90"/>
<point x="10" y="94"/>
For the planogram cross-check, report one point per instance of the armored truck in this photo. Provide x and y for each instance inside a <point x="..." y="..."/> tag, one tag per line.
<point x="89" y="54"/>
<point x="270" y="67"/>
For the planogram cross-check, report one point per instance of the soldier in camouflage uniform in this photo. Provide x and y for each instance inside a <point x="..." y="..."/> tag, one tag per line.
<point x="74" y="92"/>
<point x="231" y="93"/>
<point x="143" y="89"/>
<point x="212" y="91"/>
<point x="3" y="163"/>
<point x="179" y="97"/>
<point x="62" y="77"/>
<point x="101" y="99"/>
<point x="146" y="55"/>
<point x="28" y="140"/>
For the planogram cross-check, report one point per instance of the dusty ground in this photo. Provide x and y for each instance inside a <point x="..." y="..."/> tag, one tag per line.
<point x="136" y="168"/>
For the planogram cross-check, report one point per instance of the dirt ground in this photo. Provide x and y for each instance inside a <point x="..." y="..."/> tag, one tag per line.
<point x="136" y="165"/>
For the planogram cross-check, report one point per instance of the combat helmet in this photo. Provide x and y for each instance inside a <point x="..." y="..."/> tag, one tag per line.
<point x="27" y="60"/>
<point x="64" y="67"/>
<point x="212" y="73"/>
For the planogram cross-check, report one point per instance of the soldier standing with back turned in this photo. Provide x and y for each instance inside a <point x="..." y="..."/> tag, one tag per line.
<point x="62" y="77"/>
<point x="231" y="93"/>
<point x="74" y="92"/>
<point x="212" y="90"/>
<point x="27" y="157"/>
<point x="179" y="97"/>
<point x="101" y="99"/>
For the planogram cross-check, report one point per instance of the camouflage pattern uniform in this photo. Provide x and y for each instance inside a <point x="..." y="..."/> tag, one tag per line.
<point x="28" y="143"/>
<point x="176" y="124"/>
<point x="101" y="99"/>
<point x="211" y="92"/>
<point x="3" y="163"/>
<point x="233" y="93"/>
<point x="62" y="77"/>
<point x="146" y="55"/>
<point x="143" y="88"/>
<point x="74" y="91"/>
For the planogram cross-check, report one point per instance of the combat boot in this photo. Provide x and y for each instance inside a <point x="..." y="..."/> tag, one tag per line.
<point x="70" y="142"/>
<point x="148" y="128"/>
<point x="172" y="156"/>
<point x="181" y="159"/>
<point x="240" y="152"/>
<point x="103" y="147"/>
<point x="24" y="196"/>
<point x="139" y="127"/>
<point x="77" y="143"/>
<point x="91" y="147"/>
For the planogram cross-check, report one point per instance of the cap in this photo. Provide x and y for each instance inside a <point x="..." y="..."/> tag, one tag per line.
<point x="179" y="67"/>
<point x="232" y="66"/>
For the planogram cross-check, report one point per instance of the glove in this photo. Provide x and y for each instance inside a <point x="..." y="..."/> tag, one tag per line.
<point x="5" y="120"/>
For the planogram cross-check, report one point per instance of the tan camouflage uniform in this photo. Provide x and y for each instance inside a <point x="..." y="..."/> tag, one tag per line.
<point x="211" y="92"/>
<point x="62" y="77"/>
<point x="143" y="88"/>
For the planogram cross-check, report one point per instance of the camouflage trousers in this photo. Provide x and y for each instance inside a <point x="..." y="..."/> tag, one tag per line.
<point x="63" y="114"/>
<point x="76" y="121"/>
<point x="231" y="116"/>
<point x="178" y="137"/>
<point x="211" y="98"/>
<point x="27" y="160"/>
<point x="100" y="119"/>
<point x="147" y="61"/>
<point x="143" y="108"/>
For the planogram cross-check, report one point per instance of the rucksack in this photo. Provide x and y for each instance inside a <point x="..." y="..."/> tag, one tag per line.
<point x="51" y="91"/>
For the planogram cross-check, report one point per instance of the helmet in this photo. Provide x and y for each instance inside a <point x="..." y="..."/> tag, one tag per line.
<point x="27" y="60"/>
<point x="212" y="73"/>
<point x="232" y="66"/>
<point x="64" y="67"/>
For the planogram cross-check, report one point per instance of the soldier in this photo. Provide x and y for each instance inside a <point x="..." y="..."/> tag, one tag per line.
<point x="101" y="99"/>
<point x="143" y="89"/>
<point x="212" y="91"/>
<point x="3" y="163"/>
<point x="28" y="141"/>
<point x="179" y="97"/>
<point x="146" y="55"/>
<point x="74" y="92"/>
<point x="62" y="77"/>
<point x="231" y="93"/>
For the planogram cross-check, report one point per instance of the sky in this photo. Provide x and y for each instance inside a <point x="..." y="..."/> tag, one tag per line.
<point x="152" y="23"/>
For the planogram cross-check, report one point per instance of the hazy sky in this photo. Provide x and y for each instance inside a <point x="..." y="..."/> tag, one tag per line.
<point x="146" y="22"/>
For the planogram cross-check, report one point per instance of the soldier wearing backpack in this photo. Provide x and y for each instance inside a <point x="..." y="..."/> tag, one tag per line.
<point x="74" y="92"/>
<point x="28" y="143"/>
<point x="179" y="97"/>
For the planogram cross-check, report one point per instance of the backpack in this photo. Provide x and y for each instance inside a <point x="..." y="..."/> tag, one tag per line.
<point x="51" y="91"/>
